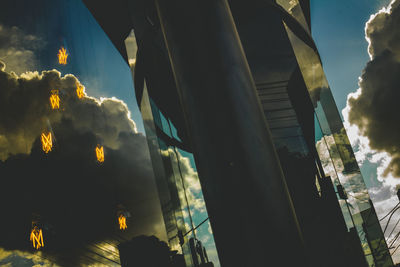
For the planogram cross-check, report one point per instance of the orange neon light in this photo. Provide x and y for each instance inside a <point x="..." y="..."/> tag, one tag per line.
<point x="36" y="237"/>
<point x="54" y="99"/>
<point x="122" y="222"/>
<point x="47" y="142"/>
<point x="100" y="153"/>
<point x="79" y="91"/>
<point x="62" y="56"/>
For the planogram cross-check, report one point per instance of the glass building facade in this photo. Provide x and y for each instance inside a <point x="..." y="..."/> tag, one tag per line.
<point x="181" y="133"/>
<point x="73" y="200"/>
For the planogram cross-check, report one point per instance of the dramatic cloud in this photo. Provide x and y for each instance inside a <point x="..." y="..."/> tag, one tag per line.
<point x="370" y="116"/>
<point x="76" y="198"/>
<point x="374" y="109"/>
<point x="18" y="49"/>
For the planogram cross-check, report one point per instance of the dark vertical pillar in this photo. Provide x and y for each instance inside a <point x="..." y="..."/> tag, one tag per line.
<point x="246" y="195"/>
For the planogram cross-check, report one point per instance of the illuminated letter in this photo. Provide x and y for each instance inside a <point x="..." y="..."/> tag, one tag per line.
<point x="100" y="153"/>
<point x="54" y="99"/>
<point x="122" y="222"/>
<point x="79" y="91"/>
<point x="37" y="237"/>
<point x="62" y="56"/>
<point x="47" y="143"/>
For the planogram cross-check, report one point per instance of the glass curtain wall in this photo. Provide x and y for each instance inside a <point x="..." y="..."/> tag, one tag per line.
<point x="334" y="148"/>
<point x="185" y="214"/>
<point x="75" y="172"/>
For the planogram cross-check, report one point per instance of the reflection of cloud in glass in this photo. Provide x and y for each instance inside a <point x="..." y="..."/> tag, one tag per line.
<point x="191" y="180"/>
<point x="84" y="195"/>
<point x="25" y="98"/>
<point x="20" y="258"/>
<point x="333" y="166"/>
<point x="195" y="201"/>
<point x="18" y="49"/>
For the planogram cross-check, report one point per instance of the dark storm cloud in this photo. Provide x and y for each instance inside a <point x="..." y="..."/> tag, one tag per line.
<point x="76" y="197"/>
<point x="376" y="110"/>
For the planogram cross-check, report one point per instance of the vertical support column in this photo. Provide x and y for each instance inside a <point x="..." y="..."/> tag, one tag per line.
<point x="250" y="209"/>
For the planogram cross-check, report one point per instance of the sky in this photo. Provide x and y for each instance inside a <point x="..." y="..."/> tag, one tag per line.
<point x="361" y="66"/>
<point x="91" y="53"/>
<point x="338" y="31"/>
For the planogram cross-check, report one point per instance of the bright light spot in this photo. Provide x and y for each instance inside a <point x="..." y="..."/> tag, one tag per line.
<point x="100" y="153"/>
<point x="36" y="237"/>
<point x="47" y="142"/>
<point x="62" y="56"/>
<point x="54" y="99"/>
<point x="79" y="91"/>
<point x="122" y="222"/>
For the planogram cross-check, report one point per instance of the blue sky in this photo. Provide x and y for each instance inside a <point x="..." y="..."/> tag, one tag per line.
<point x="108" y="75"/>
<point x="339" y="33"/>
<point x="93" y="59"/>
<point x="338" y="30"/>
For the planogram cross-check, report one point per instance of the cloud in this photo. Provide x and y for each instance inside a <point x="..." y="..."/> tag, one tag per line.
<point x="381" y="30"/>
<point x="192" y="185"/>
<point x="20" y="258"/>
<point x="370" y="116"/>
<point x="18" y="49"/>
<point x="374" y="109"/>
<point x="336" y="169"/>
<point x="77" y="198"/>
<point x="25" y="100"/>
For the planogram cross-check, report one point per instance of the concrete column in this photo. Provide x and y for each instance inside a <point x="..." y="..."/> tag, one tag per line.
<point x="247" y="199"/>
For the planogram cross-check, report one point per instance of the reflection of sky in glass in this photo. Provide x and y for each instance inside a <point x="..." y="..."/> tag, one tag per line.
<point x="204" y="234"/>
<point x="100" y="68"/>
<point x="330" y="125"/>
<point x="193" y="209"/>
<point x="183" y="164"/>
<point x="75" y="28"/>
<point x="332" y="143"/>
<point x="198" y="210"/>
<point x="191" y="197"/>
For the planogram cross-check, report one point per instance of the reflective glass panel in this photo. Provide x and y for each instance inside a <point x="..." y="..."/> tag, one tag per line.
<point x="79" y="176"/>
<point x="333" y="145"/>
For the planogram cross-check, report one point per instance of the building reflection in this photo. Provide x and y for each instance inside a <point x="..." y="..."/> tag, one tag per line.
<point x="244" y="161"/>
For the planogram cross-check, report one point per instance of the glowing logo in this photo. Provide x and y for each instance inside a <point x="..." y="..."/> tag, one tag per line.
<point x="79" y="91"/>
<point x="62" y="56"/>
<point x="100" y="153"/>
<point x="47" y="142"/>
<point x="36" y="237"/>
<point x="122" y="222"/>
<point x="54" y="99"/>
